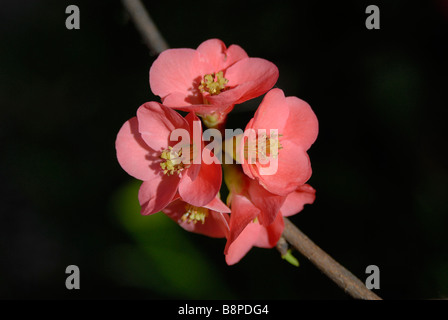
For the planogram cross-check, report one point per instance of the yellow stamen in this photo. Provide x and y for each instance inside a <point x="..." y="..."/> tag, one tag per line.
<point x="264" y="148"/>
<point x="173" y="161"/>
<point x="213" y="83"/>
<point x="194" y="214"/>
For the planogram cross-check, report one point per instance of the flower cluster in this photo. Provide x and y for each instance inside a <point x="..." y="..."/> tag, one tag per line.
<point x="182" y="176"/>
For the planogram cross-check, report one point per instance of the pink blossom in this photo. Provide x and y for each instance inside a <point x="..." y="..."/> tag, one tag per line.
<point x="296" y="128"/>
<point x="211" y="219"/>
<point x="146" y="152"/>
<point x="257" y="235"/>
<point x="211" y="79"/>
<point x="248" y="201"/>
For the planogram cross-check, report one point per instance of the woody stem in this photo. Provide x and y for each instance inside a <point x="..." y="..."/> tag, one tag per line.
<point x="147" y="28"/>
<point x="330" y="267"/>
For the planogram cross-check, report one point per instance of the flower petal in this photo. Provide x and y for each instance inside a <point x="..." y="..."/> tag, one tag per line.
<point x="268" y="203"/>
<point x="273" y="112"/>
<point x="156" y="122"/>
<point x="155" y="194"/>
<point x="243" y="212"/>
<point x="180" y="101"/>
<point x="269" y="235"/>
<point x="195" y="136"/>
<point x="302" y="127"/>
<point x="293" y="170"/>
<point x="214" y="52"/>
<point x="255" y="235"/>
<point x="296" y="200"/>
<point x="242" y="245"/>
<point x="204" y="187"/>
<point x="217" y="205"/>
<point x="132" y="151"/>
<point x="234" y="53"/>
<point x="177" y="101"/>
<point x="250" y="78"/>
<point x="216" y="225"/>
<point x="172" y="72"/>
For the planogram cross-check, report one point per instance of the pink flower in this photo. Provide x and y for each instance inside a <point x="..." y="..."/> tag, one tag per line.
<point x="257" y="235"/>
<point x="248" y="201"/>
<point x="210" y="79"/>
<point x="211" y="219"/>
<point x="294" y="129"/>
<point x="146" y="152"/>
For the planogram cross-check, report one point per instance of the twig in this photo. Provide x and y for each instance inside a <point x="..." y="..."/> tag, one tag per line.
<point x="341" y="276"/>
<point x="148" y="30"/>
<point x="282" y="246"/>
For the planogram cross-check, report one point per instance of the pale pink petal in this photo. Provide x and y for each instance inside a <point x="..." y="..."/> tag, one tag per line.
<point x="268" y="203"/>
<point x="249" y="141"/>
<point x="234" y="53"/>
<point x="214" y="52"/>
<point x="302" y="127"/>
<point x="296" y="200"/>
<point x="216" y="224"/>
<point x="217" y="205"/>
<point x="176" y="209"/>
<point x="195" y="136"/>
<point x="243" y="243"/>
<point x="269" y="235"/>
<point x="191" y="105"/>
<point x="155" y="194"/>
<point x="250" y="78"/>
<point x="133" y="154"/>
<point x="156" y="122"/>
<point x="293" y="170"/>
<point x="204" y="187"/>
<point x="273" y="112"/>
<point x="255" y="235"/>
<point x="228" y="97"/>
<point x="243" y="212"/>
<point x="173" y="71"/>
<point x="183" y="102"/>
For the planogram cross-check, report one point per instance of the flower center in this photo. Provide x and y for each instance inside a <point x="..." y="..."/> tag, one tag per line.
<point x="263" y="148"/>
<point x="194" y="214"/>
<point x="213" y="83"/>
<point x="175" y="161"/>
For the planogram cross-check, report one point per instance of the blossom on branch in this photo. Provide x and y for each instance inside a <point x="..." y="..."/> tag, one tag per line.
<point x="257" y="235"/>
<point x="274" y="148"/>
<point x="147" y="151"/>
<point x="211" y="219"/>
<point x="211" y="79"/>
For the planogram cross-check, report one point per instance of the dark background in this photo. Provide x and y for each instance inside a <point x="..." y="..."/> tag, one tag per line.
<point x="379" y="163"/>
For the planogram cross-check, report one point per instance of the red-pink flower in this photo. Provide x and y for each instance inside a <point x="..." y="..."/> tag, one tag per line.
<point x="274" y="149"/>
<point x="248" y="201"/>
<point x="211" y="219"/>
<point x="258" y="235"/>
<point x="210" y="79"/>
<point x="146" y="152"/>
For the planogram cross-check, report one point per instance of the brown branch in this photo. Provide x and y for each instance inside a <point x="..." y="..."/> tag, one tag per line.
<point x="341" y="276"/>
<point x="147" y="28"/>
